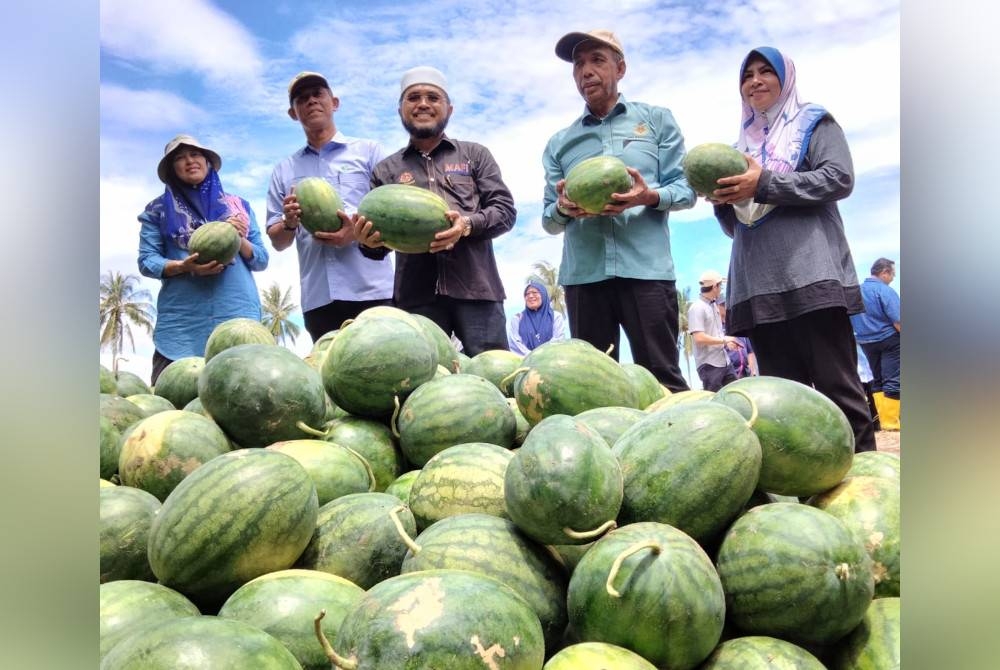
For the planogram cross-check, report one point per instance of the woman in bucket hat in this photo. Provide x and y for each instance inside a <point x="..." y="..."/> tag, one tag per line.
<point x="195" y="297"/>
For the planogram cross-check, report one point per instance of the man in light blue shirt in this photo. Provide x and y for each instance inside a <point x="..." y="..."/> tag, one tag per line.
<point x="616" y="267"/>
<point x="877" y="330"/>
<point x="337" y="281"/>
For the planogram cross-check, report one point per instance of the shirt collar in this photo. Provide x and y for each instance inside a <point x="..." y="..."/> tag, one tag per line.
<point x="589" y="119"/>
<point x="410" y="149"/>
<point x="338" y="140"/>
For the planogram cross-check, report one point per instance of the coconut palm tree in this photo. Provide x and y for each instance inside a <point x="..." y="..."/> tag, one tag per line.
<point x="123" y="305"/>
<point x="684" y="342"/>
<point x="548" y="276"/>
<point x="277" y="307"/>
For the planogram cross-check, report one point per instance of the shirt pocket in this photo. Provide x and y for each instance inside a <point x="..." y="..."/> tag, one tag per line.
<point x="352" y="186"/>
<point x="643" y="155"/>
<point x="463" y="190"/>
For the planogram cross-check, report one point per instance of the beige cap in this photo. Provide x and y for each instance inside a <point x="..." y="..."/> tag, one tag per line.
<point x="163" y="169"/>
<point x="710" y="278"/>
<point x="306" y="79"/>
<point x="568" y="43"/>
<point x="423" y="74"/>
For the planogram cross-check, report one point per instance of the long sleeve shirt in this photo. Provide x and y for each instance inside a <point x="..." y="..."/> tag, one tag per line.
<point x="797" y="260"/>
<point x="466" y="175"/>
<point x="881" y="312"/>
<point x="635" y="243"/>
<point x="328" y="273"/>
<point x="189" y="307"/>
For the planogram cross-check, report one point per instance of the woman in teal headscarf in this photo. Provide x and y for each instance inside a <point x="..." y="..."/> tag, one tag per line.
<point x="537" y="324"/>
<point x="792" y="283"/>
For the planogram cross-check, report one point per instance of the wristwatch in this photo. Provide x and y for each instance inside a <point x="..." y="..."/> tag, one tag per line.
<point x="284" y="224"/>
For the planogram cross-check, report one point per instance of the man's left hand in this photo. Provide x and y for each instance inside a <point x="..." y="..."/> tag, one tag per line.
<point x="640" y="195"/>
<point x="447" y="239"/>
<point x="342" y="237"/>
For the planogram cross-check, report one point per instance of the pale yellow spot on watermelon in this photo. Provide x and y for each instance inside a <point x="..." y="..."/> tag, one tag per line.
<point x="489" y="655"/>
<point x="874" y="540"/>
<point x="530" y="388"/>
<point x="418" y="608"/>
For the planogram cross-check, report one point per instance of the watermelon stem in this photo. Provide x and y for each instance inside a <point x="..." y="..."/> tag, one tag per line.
<point x="395" y="415"/>
<point x="753" y="406"/>
<point x="407" y="540"/>
<point x="335" y="658"/>
<point x="611" y="348"/>
<point x="590" y="534"/>
<point x="843" y="571"/>
<point x="617" y="565"/>
<point x="364" y="462"/>
<point x="510" y="378"/>
<point x="309" y="430"/>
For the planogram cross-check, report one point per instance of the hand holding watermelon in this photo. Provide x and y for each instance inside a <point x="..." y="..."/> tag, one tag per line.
<point x="738" y="187"/>
<point x="364" y="232"/>
<point x="448" y="238"/>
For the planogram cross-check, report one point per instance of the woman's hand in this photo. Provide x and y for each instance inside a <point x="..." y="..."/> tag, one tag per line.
<point x="739" y="187"/>
<point x="191" y="266"/>
<point x="240" y="224"/>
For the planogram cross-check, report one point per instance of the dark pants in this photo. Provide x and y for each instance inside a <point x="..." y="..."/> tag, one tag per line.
<point x="645" y="309"/>
<point x="714" y="378"/>
<point x="322" y="320"/>
<point x="818" y="349"/>
<point x="883" y="358"/>
<point x="480" y="324"/>
<point x="160" y="362"/>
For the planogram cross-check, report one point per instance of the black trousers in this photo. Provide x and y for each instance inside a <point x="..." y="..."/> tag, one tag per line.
<point x="322" y="320"/>
<point x="480" y="325"/>
<point x="645" y="309"/>
<point x="818" y="349"/>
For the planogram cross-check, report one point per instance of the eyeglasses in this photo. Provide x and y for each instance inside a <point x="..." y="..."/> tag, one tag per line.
<point x="535" y="294"/>
<point x="306" y="93"/>
<point x="415" y="98"/>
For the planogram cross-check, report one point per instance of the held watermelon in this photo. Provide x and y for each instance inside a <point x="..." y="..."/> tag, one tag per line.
<point x="591" y="182"/>
<point x="215" y="241"/>
<point x="407" y="217"/>
<point x="319" y="202"/>
<point x="707" y="163"/>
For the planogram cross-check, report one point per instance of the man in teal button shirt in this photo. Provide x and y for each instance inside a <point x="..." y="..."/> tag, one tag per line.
<point x="616" y="267"/>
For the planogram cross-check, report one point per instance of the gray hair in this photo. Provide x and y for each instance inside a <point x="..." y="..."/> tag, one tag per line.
<point x="882" y="265"/>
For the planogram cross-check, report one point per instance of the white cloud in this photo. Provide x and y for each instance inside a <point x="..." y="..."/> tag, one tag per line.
<point x="131" y="110"/>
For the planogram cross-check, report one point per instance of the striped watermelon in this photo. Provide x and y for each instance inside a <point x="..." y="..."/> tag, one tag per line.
<point x="669" y="400"/>
<point x="452" y="410"/>
<point x="126" y="515"/>
<point x="693" y="466"/>
<point x="108" y="383"/>
<point x="120" y="412"/>
<point x="563" y="486"/>
<point x="260" y="394"/>
<point x="128" y="383"/>
<point x="760" y="651"/>
<point x="611" y="422"/>
<point x="597" y="655"/>
<point x="461" y="479"/>
<point x="870" y="508"/>
<point x="650" y="588"/>
<point x="129" y="604"/>
<point x="706" y="163"/>
<point x="375" y="443"/>
<point x="812" y="559"/>
<point x="494" y="547"/>
<point x="200" y="643"/>
<point x="236" y="331"/>
<point x="591" y="182"/>
<point x="447" y="355"/>
<point x="376" y="360"/>
<point x="806" y="440"/>
<point x="875" y="464"/>
<point x="477" y="623"/>
<point x="284" y="605"/>
<point x="336" y="471"/>
<point x="401" y="485"/>
<point x="217" y="241"/>
<point x="357" y="538"/>
<point x="647" y="387"/>
<point x="166" y="447"/>
<point x="875" y="643"/>
<point x="111" y="447"/>
<point x="150" y="403"/>
<point x="178" y="382"/>
<point x="407" y="217"/>
<point x="319" y="203"/>
<point x="241" y="515"/>
<point x="569" y="377"/>
<point x="495" y="365"/>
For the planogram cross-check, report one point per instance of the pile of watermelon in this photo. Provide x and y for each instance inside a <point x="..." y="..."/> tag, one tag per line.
<point x="387" y="502"/>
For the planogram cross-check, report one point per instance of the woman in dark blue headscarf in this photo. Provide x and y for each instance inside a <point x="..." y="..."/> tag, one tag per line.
<point x="537" y="324"/>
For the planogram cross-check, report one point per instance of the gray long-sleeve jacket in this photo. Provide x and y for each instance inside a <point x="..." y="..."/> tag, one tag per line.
<point x="798" y="260"/>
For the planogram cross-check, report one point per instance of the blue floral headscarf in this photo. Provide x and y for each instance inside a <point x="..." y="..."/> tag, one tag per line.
<point x="186" y="207"/>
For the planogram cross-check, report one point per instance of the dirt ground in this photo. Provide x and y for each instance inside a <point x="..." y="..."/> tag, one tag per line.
<point x="887" y="440"/>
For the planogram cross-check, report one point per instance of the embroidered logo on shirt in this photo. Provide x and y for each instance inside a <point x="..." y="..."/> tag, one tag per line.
<point x="457" y="168"/>
<point x="406" y="178"/>
<point x="641" y="129"/>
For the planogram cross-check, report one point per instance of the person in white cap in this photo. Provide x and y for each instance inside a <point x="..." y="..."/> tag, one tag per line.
<point x="456" y="284"/>
<point x="710" y="341"/>
<point x="195" y="296"/>
<point x="616" y="267"/>
<point x="337" y="282"/>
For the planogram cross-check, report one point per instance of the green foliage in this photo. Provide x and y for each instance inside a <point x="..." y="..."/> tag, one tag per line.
<point x="123" y="305"/>
<point x="277" y="308"/>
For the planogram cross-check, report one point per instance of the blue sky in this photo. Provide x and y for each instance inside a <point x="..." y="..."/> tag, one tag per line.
<point x="219" y="70"/>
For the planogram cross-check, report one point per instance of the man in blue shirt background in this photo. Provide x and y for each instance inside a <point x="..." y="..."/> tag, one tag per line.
<point x="616" y="267"/>
<point x="877" y="330"/>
